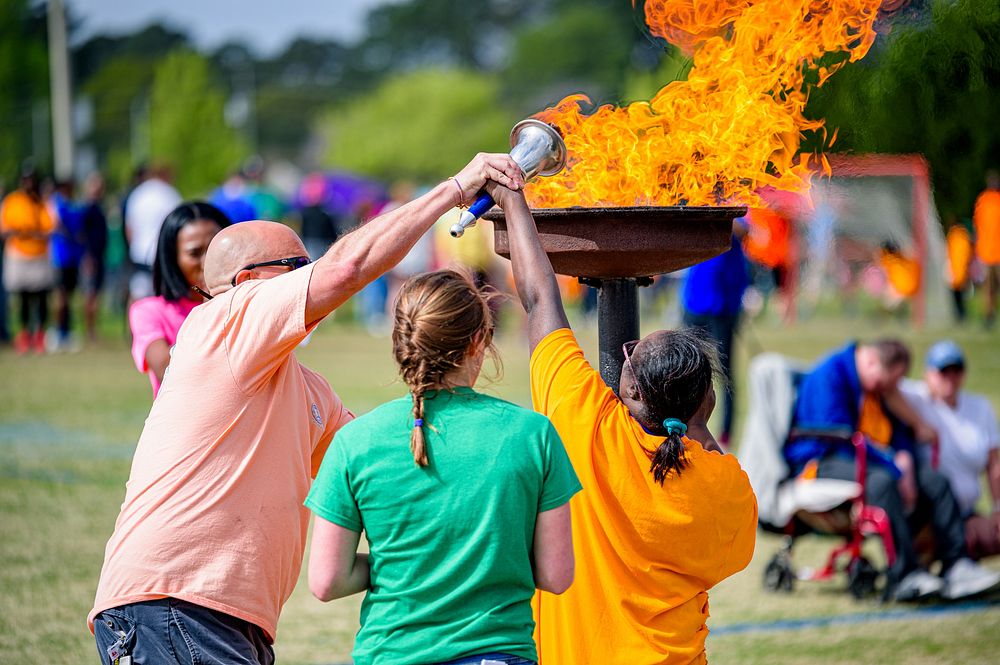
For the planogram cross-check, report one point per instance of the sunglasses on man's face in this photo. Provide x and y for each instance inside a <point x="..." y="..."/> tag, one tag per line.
<point x="292" y="263"/>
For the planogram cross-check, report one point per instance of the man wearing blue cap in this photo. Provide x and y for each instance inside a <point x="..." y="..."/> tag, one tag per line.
<point x="969" y="439"/>
<point x="856" y="388"/>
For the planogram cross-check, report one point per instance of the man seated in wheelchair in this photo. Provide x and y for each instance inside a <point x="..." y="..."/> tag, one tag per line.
<point x="856" y="388"/>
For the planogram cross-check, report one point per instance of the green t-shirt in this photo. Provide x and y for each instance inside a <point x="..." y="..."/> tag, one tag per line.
<point x="451" y="542"/>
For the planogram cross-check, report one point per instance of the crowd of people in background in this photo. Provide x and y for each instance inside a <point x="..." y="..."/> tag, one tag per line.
<point x="60" y="257"/>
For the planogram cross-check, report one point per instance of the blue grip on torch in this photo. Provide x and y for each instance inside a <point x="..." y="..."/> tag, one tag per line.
<point x="482" y="205"/>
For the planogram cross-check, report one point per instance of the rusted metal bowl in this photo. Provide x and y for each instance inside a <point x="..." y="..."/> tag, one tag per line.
<point x="625" y="242"/>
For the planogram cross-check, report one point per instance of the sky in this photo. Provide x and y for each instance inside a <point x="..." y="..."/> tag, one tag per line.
<point x="266" y="25"/>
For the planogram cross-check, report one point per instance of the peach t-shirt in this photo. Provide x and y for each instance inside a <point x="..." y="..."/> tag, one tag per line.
<point x="646" y="555"/>
<point x="213" y="510"/>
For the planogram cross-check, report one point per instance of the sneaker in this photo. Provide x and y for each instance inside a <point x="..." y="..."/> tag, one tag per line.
<point x="22" y="343"/>
<point x="38" y="341"/>
<point x="917" y="585"/>
<point x="967" y="578"/>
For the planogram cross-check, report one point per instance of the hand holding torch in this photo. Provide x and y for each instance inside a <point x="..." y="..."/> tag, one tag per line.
<point x="537" y="148"/>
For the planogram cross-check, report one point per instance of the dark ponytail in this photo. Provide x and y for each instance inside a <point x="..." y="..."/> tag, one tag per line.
<point x="675" y="370"/>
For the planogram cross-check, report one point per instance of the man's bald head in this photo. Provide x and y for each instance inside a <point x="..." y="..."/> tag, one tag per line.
<point x="241" y="244"/>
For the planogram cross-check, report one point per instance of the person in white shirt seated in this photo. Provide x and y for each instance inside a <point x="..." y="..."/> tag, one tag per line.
<point x="969" y="440"/>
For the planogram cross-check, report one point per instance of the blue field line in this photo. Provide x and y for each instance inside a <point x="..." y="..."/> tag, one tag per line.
<point x="860" y="617"/>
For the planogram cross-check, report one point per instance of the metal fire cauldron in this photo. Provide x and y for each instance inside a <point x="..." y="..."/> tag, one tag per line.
<point x="618" y="249"/>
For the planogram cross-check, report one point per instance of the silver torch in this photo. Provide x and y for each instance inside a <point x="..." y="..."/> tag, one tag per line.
<point x="537" y="148"/>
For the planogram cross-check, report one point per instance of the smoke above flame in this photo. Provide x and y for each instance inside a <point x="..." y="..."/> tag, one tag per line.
<point x="733" y="127"/>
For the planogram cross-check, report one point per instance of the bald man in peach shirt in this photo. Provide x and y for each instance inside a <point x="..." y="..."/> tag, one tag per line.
<point x="209" y="541"/>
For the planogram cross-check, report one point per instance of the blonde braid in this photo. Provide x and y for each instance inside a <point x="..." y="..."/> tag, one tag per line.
<point x="418" y="444"/>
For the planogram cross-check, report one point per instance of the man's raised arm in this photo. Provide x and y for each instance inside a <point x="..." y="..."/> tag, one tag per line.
<point x="364" y="254"/>
<point x="533" y="276"/>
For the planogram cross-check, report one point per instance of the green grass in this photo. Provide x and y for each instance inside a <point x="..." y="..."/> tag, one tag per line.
<point x="68" y="426"/>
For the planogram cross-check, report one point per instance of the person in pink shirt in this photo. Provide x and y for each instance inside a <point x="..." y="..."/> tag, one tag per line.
<point x="209" y="541"/>
<point x="178" y="282"/>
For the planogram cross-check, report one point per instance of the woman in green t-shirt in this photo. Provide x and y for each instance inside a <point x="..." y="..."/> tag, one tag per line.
<point x="463" y="498"/>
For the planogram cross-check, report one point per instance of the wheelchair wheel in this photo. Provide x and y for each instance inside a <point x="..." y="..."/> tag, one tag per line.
<point x="861" y="578"/>
<point x="779" y="576"/>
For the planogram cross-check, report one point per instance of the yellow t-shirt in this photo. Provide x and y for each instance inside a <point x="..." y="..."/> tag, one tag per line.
<point x="27" y="224"/>
<point x="646" y="554"/>
<point x="213" y="508"/>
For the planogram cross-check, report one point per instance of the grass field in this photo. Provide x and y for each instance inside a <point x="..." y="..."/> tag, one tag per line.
<point x="68" y="426"/>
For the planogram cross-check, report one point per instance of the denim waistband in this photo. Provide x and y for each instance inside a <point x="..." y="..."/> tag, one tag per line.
<point x="497" y="657"/>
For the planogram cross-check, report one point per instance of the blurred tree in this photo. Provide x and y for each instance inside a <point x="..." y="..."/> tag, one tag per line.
<point x="187" y="128"/>
<point x="24" y="83"/>
<point x="290" y="89"/>
<point x="148" y="43"/>
<point x="116" y="73"/>
<point x="423" y="125"/>
<point x="580" y="48"/>
<point x="120" y="94"/>
<point x="933" y="88"/>
<point x="442" y="32"/>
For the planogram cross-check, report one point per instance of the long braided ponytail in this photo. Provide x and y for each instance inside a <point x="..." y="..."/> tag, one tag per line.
<point x="437" y="318"/>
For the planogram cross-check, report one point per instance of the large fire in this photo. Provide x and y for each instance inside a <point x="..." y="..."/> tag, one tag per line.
<point x="733" y="127"/>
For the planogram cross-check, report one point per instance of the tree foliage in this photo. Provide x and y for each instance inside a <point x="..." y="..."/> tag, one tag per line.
<point x="422" y="125"/>
<point x="584" y="48"/>
<point x="934" y="89"/>
<point x="187" y="127"/>
<point x="24" y="80"/>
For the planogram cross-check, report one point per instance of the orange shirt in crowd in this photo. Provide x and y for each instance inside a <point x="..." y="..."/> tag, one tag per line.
<point x="646" y="554"/>
<point x="902" y="272"/>
<point x="959" y="255"/>
<point x="873" y="421"/>
<point x="986" y="218"/>
<point x="27" y="225"/>
<point x="767" y="239"/>
<point x="213" y="510"/>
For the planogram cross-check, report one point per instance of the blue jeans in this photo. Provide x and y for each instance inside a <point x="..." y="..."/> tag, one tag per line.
<point x="174" y="631"/>
<point x="489" y="659"/>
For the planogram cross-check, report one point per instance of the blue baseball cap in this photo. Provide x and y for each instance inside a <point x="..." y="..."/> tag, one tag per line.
<point x="945" y="354"/>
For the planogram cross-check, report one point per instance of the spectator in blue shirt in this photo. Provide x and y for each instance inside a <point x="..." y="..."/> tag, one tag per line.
<point x="67" y="247"/>
<point x="234" y="199"/>
<point x="856" y="388"/>
<point x="712" y="298"/>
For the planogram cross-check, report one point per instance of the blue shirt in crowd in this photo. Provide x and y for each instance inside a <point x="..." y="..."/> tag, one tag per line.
<point x="829" y="400"/>
<point x="67" y="242"/>
<point x="715" y="287"/>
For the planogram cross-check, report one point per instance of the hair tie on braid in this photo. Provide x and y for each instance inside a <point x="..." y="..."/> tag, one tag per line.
<point x="675" y="426"/>
<point x="418" y="422"/>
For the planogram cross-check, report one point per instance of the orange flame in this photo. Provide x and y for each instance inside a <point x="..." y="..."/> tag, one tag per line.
<point x="732" y="127"/>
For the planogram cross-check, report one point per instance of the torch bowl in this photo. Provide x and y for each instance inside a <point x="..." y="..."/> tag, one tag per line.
<point x="625" y="242"/>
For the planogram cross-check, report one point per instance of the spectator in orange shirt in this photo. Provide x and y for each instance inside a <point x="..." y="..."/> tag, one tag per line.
<point x="663" y="517"/>
<point x="768" y="247"/>
<point x="26" y="226"/>
<point x="959" y="246"/>
<point x="986" y="218"/>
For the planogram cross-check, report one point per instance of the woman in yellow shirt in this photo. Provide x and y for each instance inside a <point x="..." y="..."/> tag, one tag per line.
<point x="662" y="517"/>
